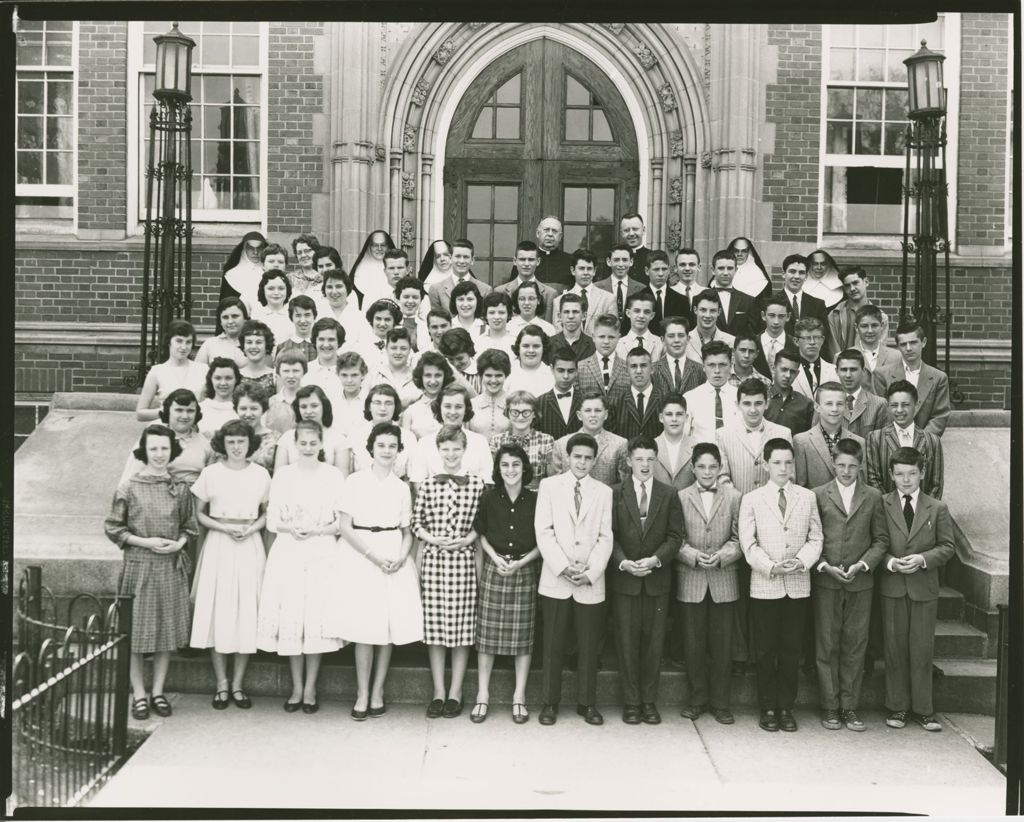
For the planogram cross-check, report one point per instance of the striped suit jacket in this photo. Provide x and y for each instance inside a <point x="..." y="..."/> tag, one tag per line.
<point x="767" y="537"/>
<point x="869" y="413"/>
<point x="663" y="375"/>
<point x="719" y="534"/>
<point x="881" y="445"/>
<point x="628" y="423"/>
<point x="842" y="331"/>
<point x="609" y="464"/>
<point x="549" y="415"/>
<point x="590" y="378"/>
<point x="813" y="460"/>
<point x="743" y="458"/>
<point x="683" y="476"/>
<point x="933" y="406"/>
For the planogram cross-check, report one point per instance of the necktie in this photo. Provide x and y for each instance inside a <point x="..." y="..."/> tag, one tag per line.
<point x="772" y="344"/>
<point x="640" y="404"/>
<point x="620" y="300"/>
<point x="908" y="511"/>
<point x="578" y="497"/>
<point x="796" y="308"/>
<point x="606" y="372"/>
<point x="456" y="478"/>
<point x="782" y="502"/>
<point x="809" y="371"/>
<point x="640" y="342"/>
<point x="643" y="501"/>
<point x="849" y="402"/>
<point x="688" y="295"/>
<point x="661" y="305"/>
<point x="719" y="422"/>
<point x="678" y="377"/>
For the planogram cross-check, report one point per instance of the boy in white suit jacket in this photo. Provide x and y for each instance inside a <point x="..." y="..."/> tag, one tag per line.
<point x="574" y="535"/>
<point x="781" y="537"/>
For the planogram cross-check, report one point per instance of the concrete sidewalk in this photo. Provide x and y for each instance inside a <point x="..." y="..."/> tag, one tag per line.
<point x="265" y="758"/>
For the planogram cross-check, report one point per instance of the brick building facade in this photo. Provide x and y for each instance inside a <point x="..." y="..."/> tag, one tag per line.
<point x="353" y="122"/>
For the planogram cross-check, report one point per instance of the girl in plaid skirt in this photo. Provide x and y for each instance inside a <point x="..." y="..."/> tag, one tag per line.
<point x="508" y="590"/>
<point x="442" y="521"/>
<point x="151" y="519"/>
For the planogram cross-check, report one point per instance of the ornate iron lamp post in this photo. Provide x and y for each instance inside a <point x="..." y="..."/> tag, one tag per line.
<point x="925" y="193"/>
<point x="167" y="260"/>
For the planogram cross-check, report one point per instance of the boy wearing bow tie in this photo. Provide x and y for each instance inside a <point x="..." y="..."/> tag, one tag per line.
<point x="920" y="542"/>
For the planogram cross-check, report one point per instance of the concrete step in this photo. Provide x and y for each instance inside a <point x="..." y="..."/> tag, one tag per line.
<point x="965" y="685"/>
<point x="951" y="604"/>
<point x="955" y="640"/>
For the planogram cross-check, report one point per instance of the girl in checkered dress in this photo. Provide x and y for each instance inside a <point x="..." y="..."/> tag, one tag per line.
<point x="151" y="519"/>
<point x="442" y="522"/>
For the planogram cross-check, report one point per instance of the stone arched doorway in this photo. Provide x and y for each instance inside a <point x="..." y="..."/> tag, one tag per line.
<point x="541" y="130"/>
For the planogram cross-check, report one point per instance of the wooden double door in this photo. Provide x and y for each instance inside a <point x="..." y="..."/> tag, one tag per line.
<point x="542" y="131"/>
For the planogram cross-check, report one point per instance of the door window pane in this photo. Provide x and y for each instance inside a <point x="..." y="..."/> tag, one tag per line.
<point x="577" y="124"/>
<point x="506" y="203"/>
<point x="573" y="237"/>
<point x="509" y="92"/>
<point x="500" y="114"/>
<point x="479" y="234"/>
<point x="576" y="93"/>
<point x="492" y="225"/>
<point x="478" y="202"/>
<point x="585" y="121"/>
<point x="507" y="126"/>
<point x="588" y="218"/>
<point x="602" y="204"/>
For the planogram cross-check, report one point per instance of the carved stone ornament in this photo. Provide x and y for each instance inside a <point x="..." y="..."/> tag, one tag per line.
<point x="668" y="98"/>
<point x="380" y="152"/>
<point x="675" y="190"/>
<point x="475" y="26"/>
<point x="675" y="144"/>
<point x="419" y="94"/>
<point x="444" y="52"/>
<point x="408" y="237"/>
<point x="705" y="159"/>
<point x="409" y="139"/>
<point x="615" y="28"/>
<point x="408" y="186"/>
<point x="645" y="55"/>
<point x="675" y="236"/>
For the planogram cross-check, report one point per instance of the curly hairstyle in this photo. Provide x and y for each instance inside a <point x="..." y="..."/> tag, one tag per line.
<point x="511" y="450"/>
<point x="251" y="390"/>
<point x="221" y="362"/>
<point x="156" y="431"/>
<point x="436" y="360"/>
<point x="273" y="274"/>
<point x="308" y="390"/>
<point x="382" y="429"/>
<point x="386" y="390"/>
<point x="534" y="331"/>
<point x="183" y="397"/>
<point x="450" y="391"/>
<point x="535" y="287"/>
<point x="309" y="239"/>
<point x="257" y="328"/>
<point x="384" y="304"/>
<point x="234" y="428"/>
<point x="232" y="302"/>
<point x="465" y="287"/>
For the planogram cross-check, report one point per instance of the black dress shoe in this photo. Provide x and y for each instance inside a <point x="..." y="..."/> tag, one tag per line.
<point x="310" y="707"/>
<point x="292" y="707"/>
<point x="786" y="721"/>
<point x="452" y="708"/>
<point x="769" y="721"/>
<point x="359" y="716"/>
<point x="650" y="714"/>
<point x="630" y="714"/>
<point x="375" y="712"/>
<point x="591" y="715"/>
<point x="723" y="716"/>
<point x="693" y="711"/>
<point x="548" y="715"/>
<point x="435" y="708"/>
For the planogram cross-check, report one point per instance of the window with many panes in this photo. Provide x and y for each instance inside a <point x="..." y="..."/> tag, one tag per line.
<point x="45" y="118"/>
<point x="866" y="121"/>
<point x="499" y="117"/>
<point x="228" y="113"/>
<point x="588" y="218"/>
<point x="492" y="225"/>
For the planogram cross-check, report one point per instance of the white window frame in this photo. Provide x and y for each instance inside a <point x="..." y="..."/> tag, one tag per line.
<point x="136" y="162"/>
<point x="52" y="189"/>
<point x="951" y="78"/>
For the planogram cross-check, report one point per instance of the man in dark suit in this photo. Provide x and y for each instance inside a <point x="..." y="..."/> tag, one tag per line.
<point x="786" y="406"/>
<point x="865" y="411"/>
<point x="855" y="539"/>
<point x="527" y="260"/>
<point x="933" y="407"/>
<point x="667" y="303"/>
<point x="462" y="264"/>
<point x="619" y="283"/>
<point x="773" y="339"/>
<point x="675" y="373"/>
<point x="556" y="409"/>
<point x="801" y="305"/>
<point x="632" y="230"/>
<point x="920" y="542"/>
<point x="739" y="313"/>
<point x="637" y="411"/>
<point x="572" y="311"/>
<point x="647" y="524"/>
<point x="553" y="268"/>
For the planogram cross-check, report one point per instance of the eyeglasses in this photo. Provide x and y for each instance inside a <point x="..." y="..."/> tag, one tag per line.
<point x="520" y="413"/>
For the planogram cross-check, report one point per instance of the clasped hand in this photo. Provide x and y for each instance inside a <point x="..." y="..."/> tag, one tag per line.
<point x="639" y="567"/>
<point x="908" y="564"/>
<point x="839" y="575"/>
<point x="447" y="543"/>
<point x="576" y="573"/>
<point x="506" y="566"/>
<point x="787" y="566"/>
<point x="708" y="560"/>
<point x="160" y="545"/>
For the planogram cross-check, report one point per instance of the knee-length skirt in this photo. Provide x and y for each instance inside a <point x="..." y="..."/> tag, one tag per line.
<point x="448" y="587"/>
<point x="505" y="611"/>
<point x="161" y="611"/>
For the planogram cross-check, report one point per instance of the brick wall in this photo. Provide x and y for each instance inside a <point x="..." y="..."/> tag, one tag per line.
<point x="981" y="196"/>
<point x="295" y="163"/>
<point x="102" y="180"/>
<point x="793" y="104"/>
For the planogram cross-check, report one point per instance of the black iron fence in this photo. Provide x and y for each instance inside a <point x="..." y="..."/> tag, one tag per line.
<point x="70" y="694"/>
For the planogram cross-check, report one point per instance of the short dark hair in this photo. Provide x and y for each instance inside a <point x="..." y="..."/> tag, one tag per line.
<point x="382" y="429"/>
<point x="607" y="321"/>
<point x="672" y="399"/>
<point x="776" y="299"/>
<point x="631" y="215"/>
<point x="581" y="438"/>
<point x="494" y="299"/>
<point x="251" y="390"/>
<point x="450" y="391"/>
<point x="675" y="320"/>
<point x="396" y="254"/>
<point x="788" y="354"/>
<point x="657" y="255"/>
<point x="526" y="245"/>
<point x="440" y="313"/>
<point x="302" y="301"/>
<point x="638" y="351"/>
<point x="456" y="341"/>
<point x="702" y="448"/>
<point x="462" y="288"/>
<point x="234" y="428"/>
<point x="572" y="297"/>
<point x="751" y="387"/>
<point x="854" y="354"/>
<point x="642" y="441"/>
<point x="868" y="310"/>
<point x="643" y="296"/>
<point x="794" y="258"/>
<point x="494" y="359"/>
<point x="407" y="282"/>
<point x="437" y="361"/>
<point x="399" y="332"/>
<point x="690" y="251"/>
<point x="221" y="362"/>
<point x="328" y="324"/>
<point x="714" y="348"/>
<point x="860" y="271"/>
<point x="723" y="254"/>
<point x="910" y="326"/>
<point x="309" y="239"/>
<point x="564" y="354"/>
<point x="308" y="390"/>
<point x="351" y="359"/>
<point x="535" y="286"/>
<point x="232" y="302"/>
<point x="708" y="295"/>
<point x="273" y="274"/>
<point x="620" y="247"/>
<point x="339" y="274"/>
<point x="179" y="328"/>
<point x="532" y="330"/>
<point x="594" y="394"/>
<point x="776" y="444"/>
<point x="851" y="448"/>
<point x="157" y="430"/>
<point x="256" y="328"/>
<point x="901" y="387"/>
<point x="831" y="385"/>
<point x="331" y="253"/>
<point x="512" y="450"/>
<point x="271" y="249"/>
<point x="462" y="242"/>
<point x="584" y="254"/>
<point x="451" y="433"/>
<point x="384" y="304"/>
<point x="388" y="390"/>
<point x="907" y="456"/>
<point x="183" y="397"/>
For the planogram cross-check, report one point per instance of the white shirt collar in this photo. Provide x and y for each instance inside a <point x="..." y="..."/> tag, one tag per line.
<point x="913" y="498"/>
<point x="637" y="484"/>
<point x="646" y="392"/>
<point x="846" y="492"/>
<point x="909" y="431"/>
<point x="908" y="370"/>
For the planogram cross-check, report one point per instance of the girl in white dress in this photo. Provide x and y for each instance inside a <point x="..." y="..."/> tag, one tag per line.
<point x="271" y="306"/>
<point x="382" y="405"/>
<point x="497" y="308"/>
<point x="231" y="313"/>
<point x="530" y="371"/>
<point x="177" y="371"/>
<point x="311" y="404"/>
<point x="380" y="597"/>
<point x="221" y="381"/>
<point x="299" y="598"/>
<point x="431" y="375"/>
<point x="527" y="307"/>
<point x="231" y="503"/>
<point x="466" y="307"/>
